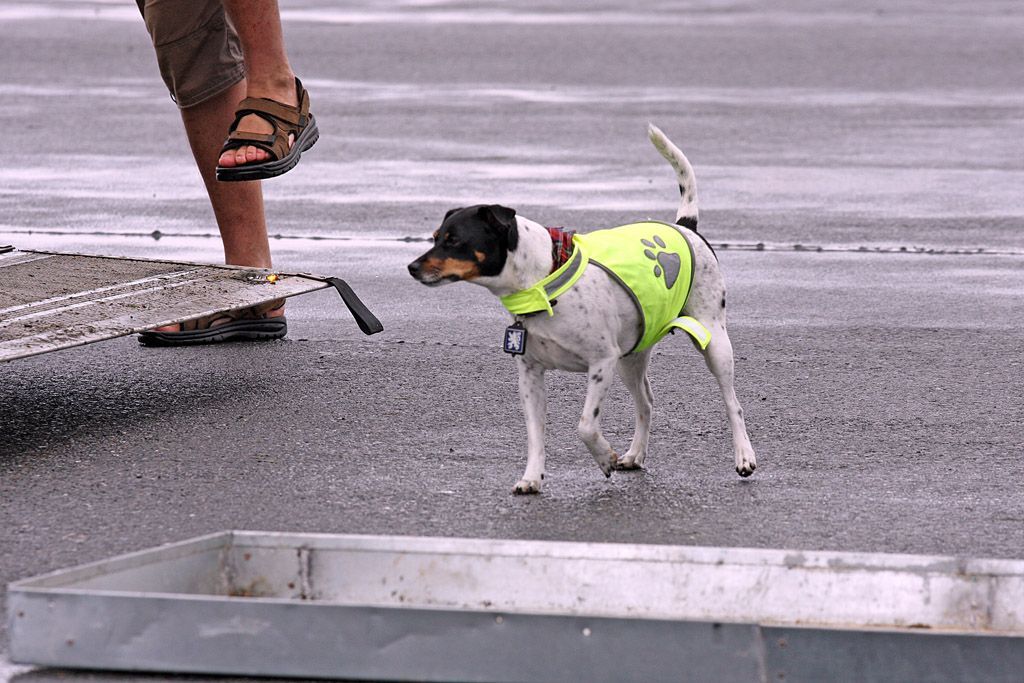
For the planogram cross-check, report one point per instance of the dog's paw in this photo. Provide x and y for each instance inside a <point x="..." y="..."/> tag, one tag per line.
<point x="630" y="461"/>
<point x="526" y="486"/>
<point x="609" y="463"/>
<point x="746" y="463"/>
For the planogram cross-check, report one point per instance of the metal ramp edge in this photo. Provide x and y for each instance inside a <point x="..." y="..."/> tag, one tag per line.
<point x="52" y="300"/>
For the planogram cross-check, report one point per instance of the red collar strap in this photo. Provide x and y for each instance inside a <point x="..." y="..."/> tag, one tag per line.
<point x="561" y="246"/>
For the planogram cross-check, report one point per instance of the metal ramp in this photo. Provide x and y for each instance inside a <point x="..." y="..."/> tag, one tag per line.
<point x="403" y="608"/>
<point x="51" y="300"/>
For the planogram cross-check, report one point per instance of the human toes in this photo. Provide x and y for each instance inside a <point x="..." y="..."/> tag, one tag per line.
<point x="230" y="158"/>
<point x="251" y="155"/>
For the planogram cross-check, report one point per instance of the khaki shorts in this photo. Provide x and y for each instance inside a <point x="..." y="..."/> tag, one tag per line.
<point x="197" y="49"/>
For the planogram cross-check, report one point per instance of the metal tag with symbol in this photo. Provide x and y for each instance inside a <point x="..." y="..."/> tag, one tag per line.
<point x="515" y="339"/>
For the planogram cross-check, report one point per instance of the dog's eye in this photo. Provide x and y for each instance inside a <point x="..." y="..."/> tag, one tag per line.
<point x="450" y="240"/>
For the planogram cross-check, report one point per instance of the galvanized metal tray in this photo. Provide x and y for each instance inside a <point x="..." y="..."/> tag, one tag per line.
<point x="439" y="609"/>
<point x="52" y="300"/>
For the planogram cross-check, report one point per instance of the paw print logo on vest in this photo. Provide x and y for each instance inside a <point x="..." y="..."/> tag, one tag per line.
<point x="668" y="262"/>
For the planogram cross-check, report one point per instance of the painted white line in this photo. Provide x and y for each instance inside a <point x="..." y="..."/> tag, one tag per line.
<point x="98" y="290"/>
<point x="93" y="302"/>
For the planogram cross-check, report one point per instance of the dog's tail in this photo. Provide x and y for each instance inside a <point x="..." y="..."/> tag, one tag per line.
<point x="686" y="216"/>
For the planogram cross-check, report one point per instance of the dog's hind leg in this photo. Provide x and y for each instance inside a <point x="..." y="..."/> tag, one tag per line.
<point x="599" y="380"/>
<point x="719" y="358"/>
<point x="534" y="401"/>
<point x="633" y="371"/>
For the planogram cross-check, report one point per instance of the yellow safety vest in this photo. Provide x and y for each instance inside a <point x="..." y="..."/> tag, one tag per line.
<point x="651" y="260"/>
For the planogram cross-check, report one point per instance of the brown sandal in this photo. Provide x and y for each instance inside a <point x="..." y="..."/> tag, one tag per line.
<point x="240" y="324"/>
<point x="286" y="120"/>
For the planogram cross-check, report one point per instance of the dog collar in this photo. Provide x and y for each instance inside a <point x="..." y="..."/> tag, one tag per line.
<point x="561" y="246"/>
<point x="539" y="296"/>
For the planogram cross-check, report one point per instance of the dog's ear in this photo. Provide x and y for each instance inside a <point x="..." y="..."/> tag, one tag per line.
<point x="502" y="219"/>
<point x="450" y="212"/>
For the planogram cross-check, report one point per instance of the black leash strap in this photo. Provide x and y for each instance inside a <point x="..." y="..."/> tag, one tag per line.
<point x="366" y="320"/>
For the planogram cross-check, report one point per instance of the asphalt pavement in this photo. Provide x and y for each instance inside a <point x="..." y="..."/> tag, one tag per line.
<point x="859" y="168"/>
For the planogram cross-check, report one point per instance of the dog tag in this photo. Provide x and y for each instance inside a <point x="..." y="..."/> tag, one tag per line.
<point x="515" y="339"/>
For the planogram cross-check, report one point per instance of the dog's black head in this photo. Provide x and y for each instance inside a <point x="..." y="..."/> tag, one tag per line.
<point x="472" y="242"/>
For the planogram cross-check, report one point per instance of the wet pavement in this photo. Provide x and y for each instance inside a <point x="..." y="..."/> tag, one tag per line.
<point x="877" y="156"/>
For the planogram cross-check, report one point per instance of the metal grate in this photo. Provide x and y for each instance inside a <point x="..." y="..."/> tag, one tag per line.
<point x="54" y="301"/>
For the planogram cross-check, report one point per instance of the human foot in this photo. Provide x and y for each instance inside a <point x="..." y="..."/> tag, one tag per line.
<point x="257" y="125"/>
<point x="269" y="134"/>
<point x="253" y="324"/>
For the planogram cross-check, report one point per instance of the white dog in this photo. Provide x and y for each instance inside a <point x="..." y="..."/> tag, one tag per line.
<point x="648" y="279"/>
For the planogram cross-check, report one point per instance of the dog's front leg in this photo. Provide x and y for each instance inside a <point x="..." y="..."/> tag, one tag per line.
<point x="534" y="400"/>
<point x="599" y="380"/>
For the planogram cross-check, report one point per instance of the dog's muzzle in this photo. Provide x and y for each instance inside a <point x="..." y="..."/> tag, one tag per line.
<point x="423" y="275"/>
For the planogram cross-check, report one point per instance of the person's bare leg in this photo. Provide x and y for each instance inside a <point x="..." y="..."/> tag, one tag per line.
<point x="269" y="74"/>
<point x="238" y="207"/>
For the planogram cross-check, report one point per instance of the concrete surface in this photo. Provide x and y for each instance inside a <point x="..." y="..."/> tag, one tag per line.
<point x="881" y="382"/>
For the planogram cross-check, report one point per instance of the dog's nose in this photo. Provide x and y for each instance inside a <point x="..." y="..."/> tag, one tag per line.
<point x="414" y="269"/>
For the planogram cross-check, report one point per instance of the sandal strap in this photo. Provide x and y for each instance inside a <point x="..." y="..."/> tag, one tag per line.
<point x="285" y="119"/>
<point x="264" y="107"/>
<point x="274" y="143"/>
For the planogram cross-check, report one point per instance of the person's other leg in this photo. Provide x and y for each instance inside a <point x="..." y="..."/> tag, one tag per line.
<point x="201" y="63"/>
<point x="238" y="207"/>
<point x="269" y="74"/>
